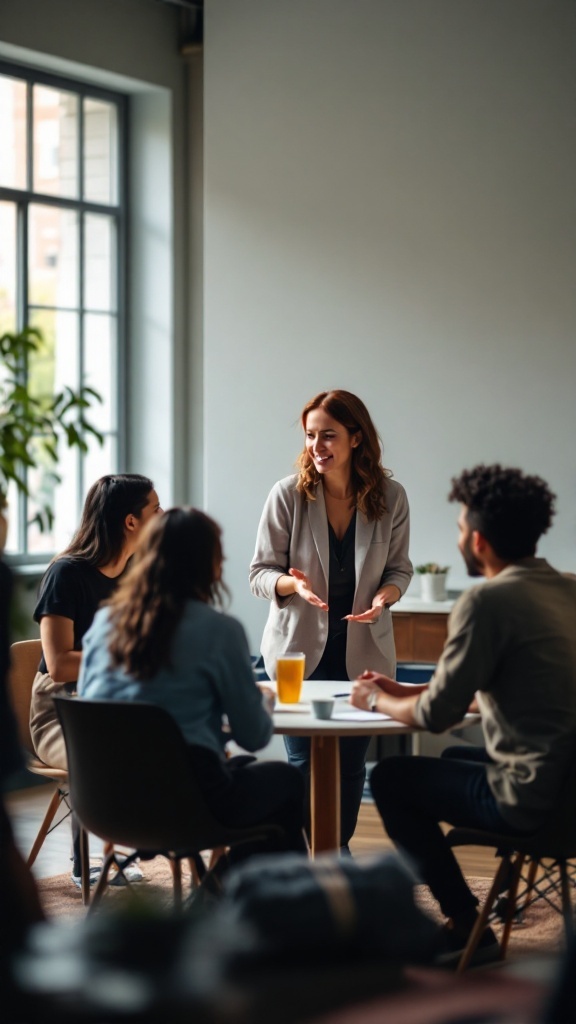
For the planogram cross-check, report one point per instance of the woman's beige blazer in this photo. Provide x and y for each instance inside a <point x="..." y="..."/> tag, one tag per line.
<point x="293" y="532"/>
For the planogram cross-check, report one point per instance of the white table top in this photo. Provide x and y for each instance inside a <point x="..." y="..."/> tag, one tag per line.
<point x="298" y="719"/>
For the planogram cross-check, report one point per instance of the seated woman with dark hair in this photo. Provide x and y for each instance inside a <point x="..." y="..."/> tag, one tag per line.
<point x="160" y="639"/>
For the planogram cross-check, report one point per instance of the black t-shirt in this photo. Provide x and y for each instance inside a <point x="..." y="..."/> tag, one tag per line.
<point x="74" y="589"/>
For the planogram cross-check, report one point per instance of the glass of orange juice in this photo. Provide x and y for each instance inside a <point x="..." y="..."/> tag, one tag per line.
<point x="290" y="676"/>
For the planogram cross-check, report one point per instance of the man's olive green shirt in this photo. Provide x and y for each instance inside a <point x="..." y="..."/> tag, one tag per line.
<point x="512" y="644"/>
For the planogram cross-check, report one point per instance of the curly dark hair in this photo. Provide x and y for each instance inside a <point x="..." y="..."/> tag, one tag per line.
<point x="511" y="510"/>
<point x="368" y="477"/>
<point x="179" y="558"/>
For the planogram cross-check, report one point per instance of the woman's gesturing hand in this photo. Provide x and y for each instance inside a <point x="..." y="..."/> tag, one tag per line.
<point x="303" y="589"/>
<point x="370" y="616"/>
<point x="384" y="597"/>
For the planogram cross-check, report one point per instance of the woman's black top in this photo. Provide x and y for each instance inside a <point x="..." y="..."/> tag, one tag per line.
<point x="73" y="588"/>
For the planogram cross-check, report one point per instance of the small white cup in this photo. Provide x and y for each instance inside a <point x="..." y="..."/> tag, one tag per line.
<point x="323" y="709"/>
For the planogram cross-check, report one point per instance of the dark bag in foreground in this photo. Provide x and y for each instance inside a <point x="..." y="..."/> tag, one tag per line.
<point x="327" y="906"/>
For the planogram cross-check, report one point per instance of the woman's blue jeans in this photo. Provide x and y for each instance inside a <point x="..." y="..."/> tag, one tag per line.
<point x="414" y="794"/>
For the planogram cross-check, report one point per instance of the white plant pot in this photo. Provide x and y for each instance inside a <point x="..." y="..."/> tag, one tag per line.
<point x="433" y="586"/>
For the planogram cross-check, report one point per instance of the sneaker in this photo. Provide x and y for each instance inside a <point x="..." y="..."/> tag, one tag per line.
<point x="94" y="876"/>
<point x="487" y="951"/>
<point x="130" y="874"/>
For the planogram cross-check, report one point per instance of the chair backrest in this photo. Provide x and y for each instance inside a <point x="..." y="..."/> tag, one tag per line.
<point x="131" y="780"/>
<point x="24" y="660"/>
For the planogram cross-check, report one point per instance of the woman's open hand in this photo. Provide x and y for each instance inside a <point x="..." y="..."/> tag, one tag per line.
<point x="370" y="617"/>
<point x="304" y="590"/>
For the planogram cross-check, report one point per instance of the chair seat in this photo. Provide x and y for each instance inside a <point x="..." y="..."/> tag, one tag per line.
<point x="540" y="844"/>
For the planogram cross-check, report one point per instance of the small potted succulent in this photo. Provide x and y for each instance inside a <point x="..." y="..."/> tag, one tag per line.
<point x="432" y="581"/>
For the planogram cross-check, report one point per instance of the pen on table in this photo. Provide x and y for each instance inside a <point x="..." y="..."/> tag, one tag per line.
<point x="342" y="694"/>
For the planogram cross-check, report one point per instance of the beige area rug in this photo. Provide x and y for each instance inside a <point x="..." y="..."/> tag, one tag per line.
<point x="60" y="897"/>
<point x="541" y="932"/>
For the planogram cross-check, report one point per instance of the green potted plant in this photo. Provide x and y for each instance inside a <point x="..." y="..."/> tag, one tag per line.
<point x="432" y="581"/>
<point x="32" y="426"/>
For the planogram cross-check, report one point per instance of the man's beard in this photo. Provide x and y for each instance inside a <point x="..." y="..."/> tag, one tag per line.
<point x="472" y="564"/>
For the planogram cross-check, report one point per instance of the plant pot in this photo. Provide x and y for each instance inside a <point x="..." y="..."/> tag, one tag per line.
<point x="433" y="586"/>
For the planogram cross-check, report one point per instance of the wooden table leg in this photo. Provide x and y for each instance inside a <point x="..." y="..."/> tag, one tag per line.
<point x="325" y="793"/>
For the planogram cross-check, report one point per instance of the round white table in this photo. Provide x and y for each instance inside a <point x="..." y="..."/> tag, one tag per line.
<point x="298" y="720"/>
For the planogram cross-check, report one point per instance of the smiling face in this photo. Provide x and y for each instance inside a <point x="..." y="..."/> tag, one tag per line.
<point x="329" y="444"/>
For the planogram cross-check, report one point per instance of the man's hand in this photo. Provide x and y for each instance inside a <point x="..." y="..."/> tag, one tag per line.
<point x="363" y="693"/>
<point x="378" y="681"/>
<point x="374" y="692"/>
<point x="304" y="590"/>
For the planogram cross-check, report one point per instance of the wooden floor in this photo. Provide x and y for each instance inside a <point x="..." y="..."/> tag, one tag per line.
<point x="370" y="837"/>
<point x="27" y="807"/>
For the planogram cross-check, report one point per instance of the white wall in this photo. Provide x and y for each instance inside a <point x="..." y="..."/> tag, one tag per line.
<point x="390" y="208"/>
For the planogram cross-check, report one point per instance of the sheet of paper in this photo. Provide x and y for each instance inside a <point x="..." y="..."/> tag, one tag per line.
<point x="356" y="715"/>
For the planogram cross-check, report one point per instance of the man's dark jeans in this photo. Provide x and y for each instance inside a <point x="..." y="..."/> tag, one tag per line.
<point x="414" y="794"/>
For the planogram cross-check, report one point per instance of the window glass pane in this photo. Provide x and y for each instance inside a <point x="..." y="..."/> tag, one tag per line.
<point x="61" y="497"/>
<point x="100" y="151"/>
<point x="12" y="540"/>
<point x="12" y="132"/>
<point x="100" y="460"/>
<point x="70" y="285"/>
<point x="99" y="243"/>
<point x="55" y="141"/>
<point x="100" y="361"/>
<point x="7" y="267"/>
<point x="53" y="257"/>
<point x="57" y="363"/>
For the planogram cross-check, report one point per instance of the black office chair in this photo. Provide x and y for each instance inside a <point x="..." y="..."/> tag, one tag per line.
<point x="132" y="784"/>
<point x="550" y="850"/>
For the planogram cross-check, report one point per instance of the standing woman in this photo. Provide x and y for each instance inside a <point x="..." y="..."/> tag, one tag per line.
<point x="76" y="582"/>
<point x="331" y="557"/>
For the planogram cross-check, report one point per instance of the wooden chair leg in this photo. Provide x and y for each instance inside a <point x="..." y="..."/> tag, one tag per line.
<point x="532" y="872"/>
<point x="53" y="806"/>
<point x="215" y="855"/>
<point x="176" y="869"/>
<point x="194" y="873"/>
<point x="482" y="921"/>
<point x="512" y="895"/>
<point x="102" y="882"/>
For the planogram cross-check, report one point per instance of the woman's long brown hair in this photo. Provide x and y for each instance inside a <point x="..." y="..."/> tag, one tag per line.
<point x="178" y="559"/>
<point x="368" y="476"/>
<point x="100" y="536"/>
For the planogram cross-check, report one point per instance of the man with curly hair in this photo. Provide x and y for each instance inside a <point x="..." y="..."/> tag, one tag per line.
<point x="511" y="654"/>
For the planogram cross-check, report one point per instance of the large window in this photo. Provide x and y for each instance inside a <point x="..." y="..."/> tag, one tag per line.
<point x="61" y="240"/>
